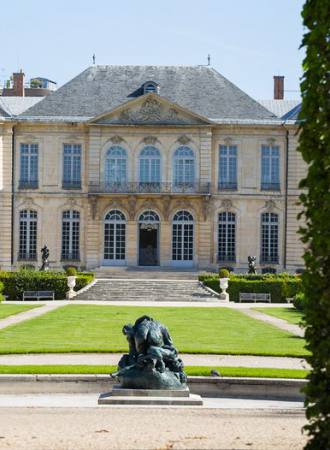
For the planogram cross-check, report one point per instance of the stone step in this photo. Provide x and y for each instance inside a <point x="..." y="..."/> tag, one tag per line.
<point x="146" y="290"/>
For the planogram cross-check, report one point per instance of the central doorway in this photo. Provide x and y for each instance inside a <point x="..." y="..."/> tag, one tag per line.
<point x="149" y="239"/>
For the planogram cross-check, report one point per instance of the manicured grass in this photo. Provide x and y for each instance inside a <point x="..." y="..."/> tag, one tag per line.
<point x="9" y="310"/>
<point x="291" y="315"/>
<point x="190" y="370"/>
<point x="89" y="328"/>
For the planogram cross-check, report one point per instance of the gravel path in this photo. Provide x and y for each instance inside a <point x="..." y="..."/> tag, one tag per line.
<point x="150" y="428"/>
<point x="279" y="323"/>
<point x="31" y="314"/>
<point x="188" y="359"/>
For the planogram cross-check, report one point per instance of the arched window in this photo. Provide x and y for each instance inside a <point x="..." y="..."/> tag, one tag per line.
<point x="184" y="167"/>
<point x="150" y="168"/>
<point x="115" y="166"/>
<point x="227" y="236"/>
<point x="71" y="235"/>
<point x="115" y="237"/>
<point x="183" y="238"/>
<point x="150" y="86"/>
<point x="28" y="234"/>
<point x="148" y="217"/>
<point x="269" y="238"/>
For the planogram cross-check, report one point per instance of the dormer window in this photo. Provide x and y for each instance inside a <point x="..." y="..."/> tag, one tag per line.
<point x="150" y="86"/>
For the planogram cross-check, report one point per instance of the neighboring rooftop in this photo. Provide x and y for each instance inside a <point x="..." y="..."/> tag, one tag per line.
<point x="37" y="87"/>
<point x="200" y="89"/>
<point x="14" y="106"/>
<point x="281" y="107"/>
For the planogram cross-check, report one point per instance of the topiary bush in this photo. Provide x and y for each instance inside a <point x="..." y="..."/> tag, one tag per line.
<point x="71" y="271"/>
<point x="15" y="283"/>
<point x="224" y="273"/>
<point x="1" y="290"/>
<point x="299" y="301"/>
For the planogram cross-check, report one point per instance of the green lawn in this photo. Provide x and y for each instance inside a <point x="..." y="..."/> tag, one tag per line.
<point x="190" y="370"/>
<point x="291" y="315"/>
<point x="9" y="310"/>
<point x="89" y="328"/>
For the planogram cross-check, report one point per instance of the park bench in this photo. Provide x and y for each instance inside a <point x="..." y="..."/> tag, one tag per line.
<point x="37" y="295"/>
<point x="254" y="297"/>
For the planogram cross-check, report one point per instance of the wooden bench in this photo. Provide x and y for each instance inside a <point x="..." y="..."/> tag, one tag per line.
<point x="254" y="297"/>
<point x="37" y="295"/>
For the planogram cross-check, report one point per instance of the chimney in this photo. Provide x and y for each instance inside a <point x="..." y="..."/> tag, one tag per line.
<point x="18" y="84"/>
<point x="278" y="87"/>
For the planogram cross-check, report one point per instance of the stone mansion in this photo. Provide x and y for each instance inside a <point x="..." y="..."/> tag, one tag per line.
<point x="170" y="166"/>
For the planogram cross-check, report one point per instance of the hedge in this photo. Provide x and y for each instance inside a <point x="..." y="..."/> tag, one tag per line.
<point x="1" y="290"/>
<point x="279" y="286"/>
<point x="15" y="283"/>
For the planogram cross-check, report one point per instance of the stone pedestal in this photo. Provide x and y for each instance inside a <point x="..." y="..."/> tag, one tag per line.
<point x="224" y="296"/>
<point x="122" y="396"/>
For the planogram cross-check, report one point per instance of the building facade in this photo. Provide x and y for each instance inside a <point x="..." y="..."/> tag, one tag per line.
<point x="149" y="166"/>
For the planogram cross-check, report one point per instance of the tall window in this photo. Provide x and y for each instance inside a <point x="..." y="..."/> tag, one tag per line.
<point x="184" y="167"/>
<point x="116" y="166"/>
<point x="29" y="166"/>
<point x="227" y="237"/>
<point x="114" y="237"/>
<point x="72" y="166"/>
<point x="150" y="167"/>
<point x="269" y="238"/>
<point x="28" y="235"/>
<point x="270" y="167"/>
<point x="183" y="237"/>
<point x="227" y="167"/>
<point x="71" y="235"/>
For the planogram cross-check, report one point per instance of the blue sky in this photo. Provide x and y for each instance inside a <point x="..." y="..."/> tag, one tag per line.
<point x="249" y="40"/>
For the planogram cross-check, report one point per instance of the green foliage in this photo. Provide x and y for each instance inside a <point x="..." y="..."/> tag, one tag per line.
<point x="71" y="271"/>
<point x="279" y="286"/>
<point x="299" y="301"/>
<point x="223" y="273"/>
<point x="1" y="290"/>
<point x="314" y="145"/>
<point x="15" y="283"/>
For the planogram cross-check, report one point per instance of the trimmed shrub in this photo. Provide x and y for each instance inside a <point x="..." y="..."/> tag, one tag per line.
<point x="1" y="290"/>
<point x="299" y="301"/>
<point x="71" y="272"/>
<point x="279" y="286"/>
<point x="223" y="273"/>
<point x="15" y="283"/>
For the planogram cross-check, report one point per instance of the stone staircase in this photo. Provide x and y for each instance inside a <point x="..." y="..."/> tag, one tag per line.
<point x="147" y="290"/>
<point x="145" y="273"/>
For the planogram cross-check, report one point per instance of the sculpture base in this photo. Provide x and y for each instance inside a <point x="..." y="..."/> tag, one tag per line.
<point x="122" y="396"/>
<point x="143" y="378"/>
<point x="70" y="295"/>
<point x="224" y="296"/>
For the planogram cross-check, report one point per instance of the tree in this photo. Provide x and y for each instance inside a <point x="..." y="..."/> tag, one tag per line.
<point x="314" y="145"/>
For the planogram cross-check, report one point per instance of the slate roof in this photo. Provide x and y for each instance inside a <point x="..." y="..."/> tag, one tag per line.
<point x="99" y="89"/>
<point x="281" y="108"/>
<point x="13" y="106"/>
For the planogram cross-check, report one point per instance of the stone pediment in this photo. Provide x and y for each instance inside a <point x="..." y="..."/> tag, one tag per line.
<point x="149" y="109"/>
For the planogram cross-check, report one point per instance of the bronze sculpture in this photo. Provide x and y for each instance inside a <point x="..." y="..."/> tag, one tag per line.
<point x="152" y="361"/>
<point x="252" y="264"/>
<point x="44" y="258"/>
